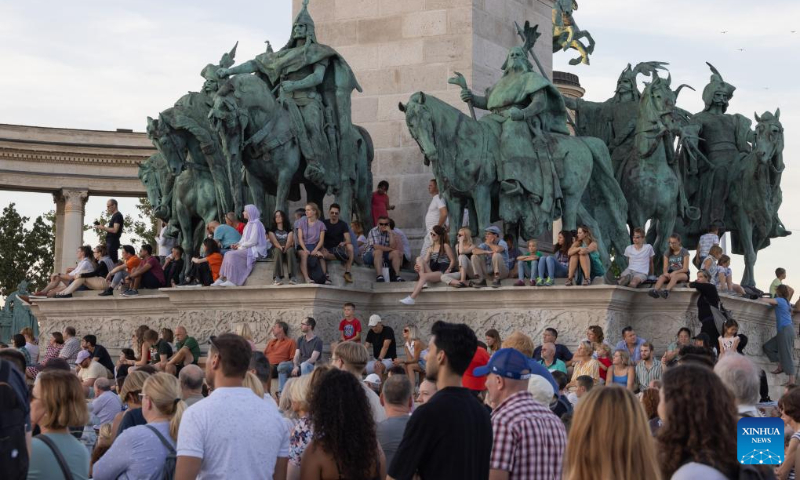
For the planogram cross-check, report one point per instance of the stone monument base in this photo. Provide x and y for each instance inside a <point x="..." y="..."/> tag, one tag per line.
<point x="207" y="311"/>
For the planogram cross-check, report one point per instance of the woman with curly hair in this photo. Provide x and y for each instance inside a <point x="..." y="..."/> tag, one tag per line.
<point x="650" y="399"/>
<point x="692" y="399"/>
<point x="345" y="445"/>
<point x="609" y="438"/>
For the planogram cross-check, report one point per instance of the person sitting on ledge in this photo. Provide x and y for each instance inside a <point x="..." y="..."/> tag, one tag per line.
<point x="338" y="244"/>
<point x="311" y="232"/>
<point x="676" y="268"/>
<point x="119" y="273"/>
<point x="94" y="280"/>
<point x="491" y="257"/>
<point x="380" y="339"/>
<point x="725" y="277"/>
<point x="584" y="365"/>
<point x="225" y="235"/>
<point x="238" y="263"/>
<point x="583" y="253"/>
<point x="529" y="263"/>
<point x="437" y="262"/>
<point x="60" y="281"/>
<point x="640" y="261"/>
<point x="281" y="237"/>
<point x="148" y="274"/>
<point x="683" y="339"/>
<point x="187" y="351"/>
<point x="463" y="254"/>
<point x="403" y="239"/>
<point x="280" y="353"/>
<point x="205" y="270"/>
<point x="309" y="349"/>
<point x="173" y="266"/>
<point x="384" y="246"/>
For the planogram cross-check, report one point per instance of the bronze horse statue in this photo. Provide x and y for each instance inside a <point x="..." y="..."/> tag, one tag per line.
<point x="461" y="152"/>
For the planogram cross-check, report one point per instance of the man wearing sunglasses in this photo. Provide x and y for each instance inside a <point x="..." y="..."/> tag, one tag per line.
<point x="383" y="246"/>
<point x="338" y="244"/>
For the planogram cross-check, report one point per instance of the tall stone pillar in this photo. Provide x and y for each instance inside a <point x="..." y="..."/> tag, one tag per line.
<point x="70" y="205"/>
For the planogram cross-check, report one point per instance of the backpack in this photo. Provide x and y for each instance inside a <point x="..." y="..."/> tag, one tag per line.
<point x="13" y="415"/>
<point x="755" y="472"/>
<point x="168" y="471"/>
<point x="315" y="270"/>
<point x="752" y="292"/>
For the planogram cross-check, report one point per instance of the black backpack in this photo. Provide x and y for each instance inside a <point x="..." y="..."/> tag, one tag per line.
<point x="13" y="413"/>
<point x="168" y="472"/>
<point x="752" y="292"/>
<point x="315" y="270"/>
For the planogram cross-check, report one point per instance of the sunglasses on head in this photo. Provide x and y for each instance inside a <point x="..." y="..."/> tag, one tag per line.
<point x="433" y="234"/>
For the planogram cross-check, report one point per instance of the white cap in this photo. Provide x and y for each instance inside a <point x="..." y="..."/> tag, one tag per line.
<point x="373" y="378"/>
<point x="374" y="320"/>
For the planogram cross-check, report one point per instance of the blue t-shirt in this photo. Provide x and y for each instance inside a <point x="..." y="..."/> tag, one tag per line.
<point x="504" y="253"/>
<point x="783" y="313"/>
<point x="226" y="235"/>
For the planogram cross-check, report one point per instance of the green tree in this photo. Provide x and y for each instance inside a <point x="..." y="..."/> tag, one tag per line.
<point x="27" y="254"/>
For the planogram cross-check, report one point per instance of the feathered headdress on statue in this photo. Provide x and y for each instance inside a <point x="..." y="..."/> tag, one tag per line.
<point x="648" y="69"/>
<point x="209" y="72"/>
<point x="717" y="84"/>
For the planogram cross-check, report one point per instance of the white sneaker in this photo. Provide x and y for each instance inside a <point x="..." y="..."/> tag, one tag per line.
<point x="408" y="301"/>
<point x="217" y="282"/>
<point x="227" y="283"/>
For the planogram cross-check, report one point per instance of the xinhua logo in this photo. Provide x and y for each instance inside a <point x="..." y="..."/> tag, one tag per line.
<point x="759" y="441"/>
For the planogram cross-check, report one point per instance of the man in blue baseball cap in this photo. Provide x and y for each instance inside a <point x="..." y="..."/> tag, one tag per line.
<point x="529" y="440"/>
<point x="490" y="258"/>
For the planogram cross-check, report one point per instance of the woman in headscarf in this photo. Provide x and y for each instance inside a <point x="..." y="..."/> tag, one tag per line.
<point x="238" y="262"/>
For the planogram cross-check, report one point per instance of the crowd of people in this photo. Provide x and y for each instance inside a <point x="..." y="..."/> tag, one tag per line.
<point x="443" y="404"/>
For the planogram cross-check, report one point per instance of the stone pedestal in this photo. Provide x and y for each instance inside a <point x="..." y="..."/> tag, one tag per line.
<point x="69" y="226"/>
<point x="398" y="47"/>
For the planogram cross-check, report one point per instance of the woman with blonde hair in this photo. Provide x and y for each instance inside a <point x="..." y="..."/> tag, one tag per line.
<point x="301" y="434"/>
<point x="243" y="330"/>
<point x="413" y="347"/>
<point x="310" y="239"/>
<point x="584" y="364"/>
<point x="621" y="370"/>
<point x="56" y="403"/>
<point x="253" y="383"/>
<point x="105" y="437"/>
<point x="142" y="451"/>
<point x="130" y="396"/>
<point x="609" y="438"/>
<point x="463" y="253"/>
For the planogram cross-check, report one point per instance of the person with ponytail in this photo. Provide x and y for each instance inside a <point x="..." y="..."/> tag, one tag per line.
<point x="140" y="452"/>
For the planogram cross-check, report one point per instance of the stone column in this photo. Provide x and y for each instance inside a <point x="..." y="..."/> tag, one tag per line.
<point x="70" y="205"/>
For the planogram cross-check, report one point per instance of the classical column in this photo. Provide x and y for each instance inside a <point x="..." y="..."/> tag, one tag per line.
<point x="69" y="226"/>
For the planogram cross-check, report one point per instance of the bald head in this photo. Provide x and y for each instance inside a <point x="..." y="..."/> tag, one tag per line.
<point x="549" y="351"/>
<point x="102" y="384"/>
<point x="741" y="376"/>
<point x="191" y="378"/>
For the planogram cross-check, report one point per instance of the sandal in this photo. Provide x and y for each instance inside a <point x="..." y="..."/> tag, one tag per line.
<point x="777" y="371"/>
<point x="586" y="283"/>
<point x="568" y="283"/>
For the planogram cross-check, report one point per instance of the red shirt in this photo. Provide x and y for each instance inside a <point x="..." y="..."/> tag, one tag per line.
<point x="604" y="361"/>
<point x="350" y="328"/>
<point x="380" y="206"/>
<point x="240" y="228"/>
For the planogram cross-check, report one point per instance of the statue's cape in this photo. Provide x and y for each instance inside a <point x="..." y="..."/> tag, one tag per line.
<point x="290" y="60"/>
<point x="336" y="89"/>
<point x="515" y="89"/>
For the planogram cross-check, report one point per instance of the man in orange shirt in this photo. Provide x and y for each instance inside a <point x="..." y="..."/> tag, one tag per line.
<point x="280" y="352"/>
<point x="119" y="273"/>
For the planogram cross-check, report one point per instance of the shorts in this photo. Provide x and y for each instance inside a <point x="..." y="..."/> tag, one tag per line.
<point x="369" y="257"/>
<point x="150" y="281"/>
<point x="641" y="276"/>
<point x="340" y="252"/>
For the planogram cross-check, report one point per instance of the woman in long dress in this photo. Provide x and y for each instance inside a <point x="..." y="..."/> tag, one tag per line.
<point x="238" y="262"/>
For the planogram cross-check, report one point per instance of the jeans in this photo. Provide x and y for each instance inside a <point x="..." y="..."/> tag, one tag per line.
<point x="285" y="370"/>
<point x="548" y="267"/>
<point x="528" y="268"/>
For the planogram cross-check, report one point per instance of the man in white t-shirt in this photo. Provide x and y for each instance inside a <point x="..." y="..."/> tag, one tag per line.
<point x="436" y="215"/>
<point x="232" y="433"/>
<point x="640" y="261"/>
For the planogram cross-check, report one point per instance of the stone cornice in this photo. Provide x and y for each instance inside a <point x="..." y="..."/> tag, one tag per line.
<point x="103" y="158"/>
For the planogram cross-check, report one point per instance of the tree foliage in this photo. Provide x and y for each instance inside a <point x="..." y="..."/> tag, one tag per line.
<point x="25" y="253"/>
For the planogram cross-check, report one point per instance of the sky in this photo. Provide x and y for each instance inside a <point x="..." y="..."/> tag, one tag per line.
<point x="107" y="65"/>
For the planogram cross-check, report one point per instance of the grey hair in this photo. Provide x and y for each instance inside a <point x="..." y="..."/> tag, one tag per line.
<point x="103" y="384"/>
<point x="741" y="376"/>
<point x="191" y="377"/>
